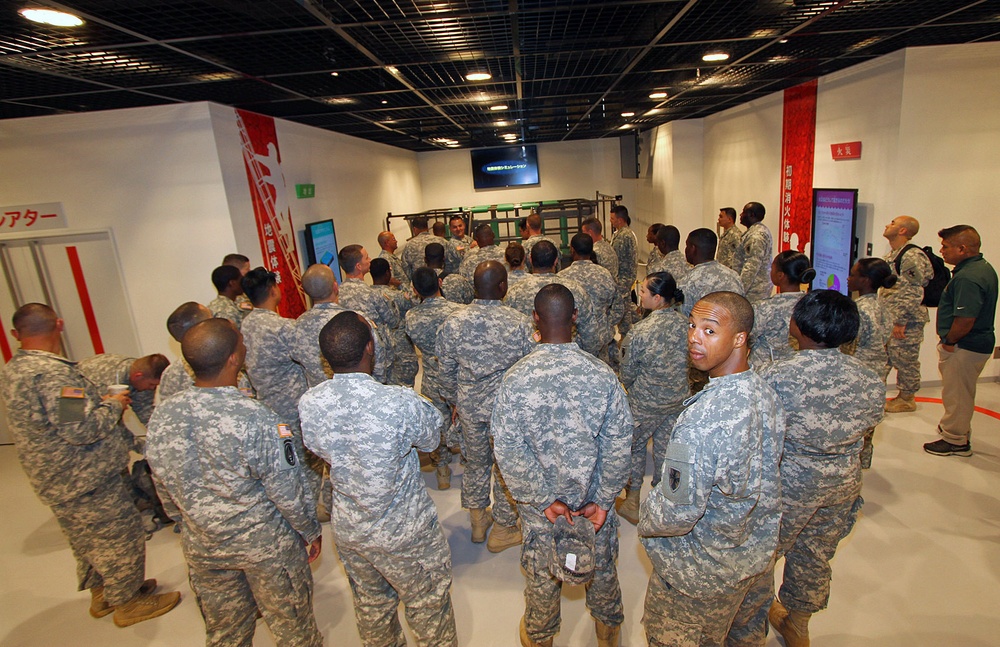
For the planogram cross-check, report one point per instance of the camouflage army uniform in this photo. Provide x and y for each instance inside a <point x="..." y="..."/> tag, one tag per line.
<point x="528" y="244"/>
<point x="457" y="289"/>
<point x="514" y="277"/>
<point x="475" y="348"/>
<point x="674" y="262"/>
<point x="729" y="245"/>
<point x="413" y="252"/>
<point x="73" y="454"/>
<point x="654" y="370"/>
<point x="603" y="293"/>
<point x="705" y="278"/>
<point x="245" y="510"/>
<point x="107" y="369"/>
<point x="422" y="323"/>
<point x="383" y="521"/>
<point x="624" y="244"/>
<point x="462" y="246"/>
<point x="404" y="359"/>
<point x="222" y="307"/>
<point x="357" y="295"/>
<point x="398" y="271"/>
<point x="903" y="304"/>
<point x="830" y="399"/>
<point x="654" y="257"/>
<point x="522" y="298"/>
<point x="179" y="376"/>
<point x="769" y="339"/>
<point x="480" y="255"/>
<point x="607" y="257"/>
<point x="571" y="443"/>
<point x="711" y="525"/>
<point x="305" y="344"/>
<point x="869" y="348"/>
<point x="753" y="262"/>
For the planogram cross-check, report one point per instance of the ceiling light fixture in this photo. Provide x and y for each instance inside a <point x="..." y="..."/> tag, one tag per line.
<point x="714" y="57"/>
<point x="392" y="70"/>
<point x="51" y="17"/>
<point x="334" y="73"/>
<point x="500" y="124"/>
<point x="499" y="107"/>
<point x="625" y="127"/>
<point x="658" y="95"/>
<point x="478" y="76"/>
<point x="628" y="114"/>
<point x="384" y="102"/>
<point x="653" y="111"/>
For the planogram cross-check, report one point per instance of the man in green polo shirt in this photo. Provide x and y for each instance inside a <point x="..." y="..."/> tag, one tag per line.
<point x="965" y="326"/>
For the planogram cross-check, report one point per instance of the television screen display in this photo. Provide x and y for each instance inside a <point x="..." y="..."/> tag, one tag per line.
<point x="496" y="168"/>
<point x="321" y="245"/>
<point x="835" y="214"/>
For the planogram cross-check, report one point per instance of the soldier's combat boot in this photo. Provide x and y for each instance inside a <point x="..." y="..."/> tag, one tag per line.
<point x="526" y="640"/>
<point x="792" y="625"/>
<point x="100" y="608"/>
<point x="145" y="606"/>
<point x="607" y="636"/>
<point x="444" y="477"/>
<point x="502" y="538"/>
<point x="482" y="519"/>
<point x="628" y="508"/>
<point x="902" y="403"/>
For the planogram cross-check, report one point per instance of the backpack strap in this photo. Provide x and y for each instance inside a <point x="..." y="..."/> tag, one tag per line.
<point x="899" y="257"/>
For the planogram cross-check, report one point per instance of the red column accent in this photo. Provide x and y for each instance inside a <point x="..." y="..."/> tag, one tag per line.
<point x="85" y="303"/>
<point x="4" y="346"/>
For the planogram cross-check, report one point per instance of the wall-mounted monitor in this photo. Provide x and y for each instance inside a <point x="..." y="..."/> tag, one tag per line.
<point x="834" y="247"/>
<point x="497" y="168"/>
<point x="321" y="245"/>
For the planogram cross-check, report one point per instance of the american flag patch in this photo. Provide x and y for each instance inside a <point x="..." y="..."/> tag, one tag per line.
<point x="72" y="392"/>
<point x="284" y="431"/>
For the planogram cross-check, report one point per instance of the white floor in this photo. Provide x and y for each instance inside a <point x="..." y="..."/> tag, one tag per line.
<point x="922" y="567"/>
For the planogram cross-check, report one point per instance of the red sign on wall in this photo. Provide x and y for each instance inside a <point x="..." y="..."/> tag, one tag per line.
<point x="846" y="151"/>
<point x="798" y="146"/>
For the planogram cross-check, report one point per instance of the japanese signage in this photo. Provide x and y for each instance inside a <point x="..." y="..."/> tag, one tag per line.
<point x="32" y="217"/>
<point x="271" y="208"/>
<point x="846" y="151"/>
<point x="798" y="146"/>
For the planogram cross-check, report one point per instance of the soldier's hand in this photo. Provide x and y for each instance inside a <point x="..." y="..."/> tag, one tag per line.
<point x="315" y="549"/>
<point x="899" y="331"/>
<point x="558" y="509"/>
<point x="394" y="282"/>
<point x="593" y="513"/>
<point x="121" y="398"/>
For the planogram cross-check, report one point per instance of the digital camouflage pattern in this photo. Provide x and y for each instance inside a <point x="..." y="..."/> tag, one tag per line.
<point x="404" y="360"/>
<point x="674" y="262"/>
<point x="222" y="307"/>
<point x="357" y="295"/>
<point x="479" y="255"/>
<point x="532" y="241"/>
<point x="902" y="300"/>
<point x="769" y="339"/>
<point x="397" y="269"/>
<point x="305" y="343"/>
<point x="753" y="262"/>
<point x="654" y="256"/>
<point x="607" y="257"/>
<point x="457" y="289"/>
<point x="109" y="368"/>
<point x="413" y="252"/>
<point x="654" y="371"/>
<point x="712" y="522"/>
<point x="706" y="278"/>
<point x="728" y="252"/>
<point x="522" y="298"/>
<point x="625" y="245"/>
<point x="874" y="331"/>
<point x="179" y="376"/>
<point x="603" y="293"/>
<point x="514" y="277"/>
<point x="475" y="348"/>
<point x="673" y="619"/>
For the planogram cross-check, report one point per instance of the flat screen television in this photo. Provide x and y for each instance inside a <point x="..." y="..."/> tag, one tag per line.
<point x="834" y="247"/>
<point x="321" y="245"/>
<point x="497" y="168"/>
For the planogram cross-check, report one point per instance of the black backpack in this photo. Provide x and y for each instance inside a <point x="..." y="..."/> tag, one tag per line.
<point x="934" y="287"/>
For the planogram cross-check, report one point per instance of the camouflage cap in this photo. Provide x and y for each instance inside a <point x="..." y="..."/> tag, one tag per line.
<point x="573" y="551"/>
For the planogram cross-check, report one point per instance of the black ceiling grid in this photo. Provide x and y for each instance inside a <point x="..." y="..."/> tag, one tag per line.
<point x="393" y="71"/>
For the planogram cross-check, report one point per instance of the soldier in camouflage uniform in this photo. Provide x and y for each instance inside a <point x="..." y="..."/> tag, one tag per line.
<point x="522" y="296"/>
<point x="404" y="360"/>
<point x="513" y="254"/>
<point x="606" y="255"/>
<point x="564" y="454"/>
<point x="461" y="241"/>
<point x="829" y="399"/>
<point x="625" y="246"/>
<point x="535" y="236"/>
<point x="242" y="263"/>
<point x="711" y="525"/>
<point x="413" y="252"/>
<point x="142" y="375"/>
<point x="454" y="287"/>
<point x="240" y="495"/>
<point x="770" y="339"/>
<point x="71" y="449"/>
<point x="226" y="280"/>
<point x="422" y="323"/>
<point x="486" y="251"/>
<point x="732" y="237"/>
<point x="908" y="314"/>
<point x="357" y="295"/>
<point x="654" y="253"/>
<point x="654" y="370"/>
<point x="475" y="347"/>
<point x="753" y="259"/>
<point x="383" y="522"/>
<point x="601" y="289"/>
<point x="672" y="260"/>
<point x="400" y="279"/>
<point x="179" y="376"/>
<point x="707" y="275"/>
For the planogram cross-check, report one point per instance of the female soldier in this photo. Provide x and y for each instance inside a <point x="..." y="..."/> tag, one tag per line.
<point x="769" y="340"/>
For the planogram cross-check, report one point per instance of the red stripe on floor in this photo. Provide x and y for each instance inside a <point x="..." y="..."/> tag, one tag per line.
<point x="88" y="308"/>
<point x="987" y="412"/>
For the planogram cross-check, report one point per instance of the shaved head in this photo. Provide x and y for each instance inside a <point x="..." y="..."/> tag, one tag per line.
<point x="208" y="345"/>
<point x="554" y="305"/>
<point x="343" y="340"/>
<point x="33" y="319"/>
<point x="484" y="235"/>
<point x="319" y="282"/>
<point x="911" y="224"/>
<point x="184" y="317"/>
<point x="490" y="280"/>
<point x="738" y="307"/>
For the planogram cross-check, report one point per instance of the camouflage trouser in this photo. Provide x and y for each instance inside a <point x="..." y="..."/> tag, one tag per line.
<point x="868" y="448"/>
<point x="610" y="354"/>
<point x="429" y="389"/>
<point x="315" y="473"/>
<point x="629" y="316"/>
<point x="672" y="619"/>
<point x="808" y="540"/>
<point x="659" y="430"/>
<point x="105" y="532"/>
<point x="281" y="587"/>
<point x="542" y="590"/>
<point x="904" y="356"/>
<point x="477" y="449"/>
<point x="419" y="575"/>
<point x="405" y="363"/>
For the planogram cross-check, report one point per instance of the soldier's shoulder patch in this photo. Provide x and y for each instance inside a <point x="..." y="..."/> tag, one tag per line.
<point x="247" y="391"/>
<point x="287" y="460"/>
<point x="72" y="392"/>
<point x="284" y="430"/>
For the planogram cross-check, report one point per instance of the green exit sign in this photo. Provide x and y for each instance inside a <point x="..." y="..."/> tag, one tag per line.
<point x="305" y="190"/>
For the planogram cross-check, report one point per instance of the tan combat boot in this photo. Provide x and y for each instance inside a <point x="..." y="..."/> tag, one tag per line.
<point x="145" y="606"/>
<point x="100" y="608"/>
<point x="792" y="625"/>
<point x="607" y="636"/>
<point x="902" y="403"/>
<point x="628" y="508"/>
<point x="503" y="537"/>
<point x="444" y="477"/>
<point x="526" y="640"/>
<point x="482" y="519"/>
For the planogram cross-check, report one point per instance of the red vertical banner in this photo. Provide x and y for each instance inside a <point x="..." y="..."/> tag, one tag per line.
<point x="271" y="208"/>
<point x="85" y="303"/>
<point x="798" y="148"/>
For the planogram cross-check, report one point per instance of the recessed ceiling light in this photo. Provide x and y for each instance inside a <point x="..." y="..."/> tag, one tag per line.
<point x="783" y="41"/>
<point x="51" y="17"/>
<point x="500" y="123"/>
<point x="334" y="73"/>
<point x="478" y="76"/>
<point x="340" y="101"/>
<point x="628" y="114"/>
<point x="384" y="102"/>
<point x="658" y="95"/>
<point x="509" y="136"/>
<point x="498" y="107"/>
<point x="714" y="57"/>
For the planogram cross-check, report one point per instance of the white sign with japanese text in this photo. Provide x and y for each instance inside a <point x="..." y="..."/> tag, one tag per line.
<point x="32" y="217"/>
